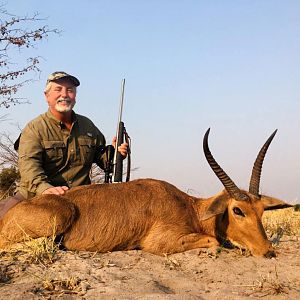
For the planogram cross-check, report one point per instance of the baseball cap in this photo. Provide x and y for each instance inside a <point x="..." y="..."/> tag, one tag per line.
<point x="60" y="74"/>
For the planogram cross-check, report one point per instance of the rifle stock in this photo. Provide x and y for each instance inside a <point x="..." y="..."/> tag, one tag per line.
<point x="118" y="159"/>
<point x="118" y="170"/>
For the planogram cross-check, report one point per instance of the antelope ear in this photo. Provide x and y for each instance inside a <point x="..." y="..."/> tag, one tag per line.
<point x="218" y="206"/>
<point x="271" y="203"/>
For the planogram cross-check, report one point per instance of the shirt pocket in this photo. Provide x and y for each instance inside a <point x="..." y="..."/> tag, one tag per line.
<point x="55" y="152"/>
<point x="87" y="148"/>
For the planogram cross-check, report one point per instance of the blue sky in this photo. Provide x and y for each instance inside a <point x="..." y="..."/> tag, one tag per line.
<point x="232" y="66"/>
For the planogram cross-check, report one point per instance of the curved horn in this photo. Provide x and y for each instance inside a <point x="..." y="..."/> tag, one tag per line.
<point x="229" y="185"/>
<point x="256" y="171"/>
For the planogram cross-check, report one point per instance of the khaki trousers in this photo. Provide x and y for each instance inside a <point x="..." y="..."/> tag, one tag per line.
<point x="8" y="203"/>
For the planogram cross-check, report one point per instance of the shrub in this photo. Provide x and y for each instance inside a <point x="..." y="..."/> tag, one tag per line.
<point x="8" y="178"/>
<point x="297" y="207"/>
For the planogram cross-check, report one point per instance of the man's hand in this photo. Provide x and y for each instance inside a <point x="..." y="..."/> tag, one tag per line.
<point x="56" y="190"/>
<point x="122" y="148"/>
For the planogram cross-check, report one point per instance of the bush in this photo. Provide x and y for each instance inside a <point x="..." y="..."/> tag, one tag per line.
<point x="297" y="207"/>
<point x="8" y="178"/>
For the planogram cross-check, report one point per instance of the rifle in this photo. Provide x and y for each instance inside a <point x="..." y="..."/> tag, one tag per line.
<point x="115" y="165"/>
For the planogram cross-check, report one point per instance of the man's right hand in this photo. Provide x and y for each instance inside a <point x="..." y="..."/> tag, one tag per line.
<point x="56" y="190"/>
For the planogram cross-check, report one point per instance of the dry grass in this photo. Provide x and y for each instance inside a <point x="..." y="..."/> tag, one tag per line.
<point x="42" y="250"/>
<point x="268" y="285"/>
<point x="59" y="287"/>
<point x="41" y="253"/>
<point x="283" y="221"/>
<point x="171" y="263"/>
<point x="38" y="251"/>
<point x="21" y="257"/>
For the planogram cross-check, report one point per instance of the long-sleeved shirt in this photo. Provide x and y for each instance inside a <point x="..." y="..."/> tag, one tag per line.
<point x="51" y="155"/>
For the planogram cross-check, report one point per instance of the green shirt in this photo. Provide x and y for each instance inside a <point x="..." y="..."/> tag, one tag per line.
<point x="51" y="155"/>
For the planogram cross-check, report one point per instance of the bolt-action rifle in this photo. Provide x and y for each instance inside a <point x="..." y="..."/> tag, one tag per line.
<point x="114" y="166"/>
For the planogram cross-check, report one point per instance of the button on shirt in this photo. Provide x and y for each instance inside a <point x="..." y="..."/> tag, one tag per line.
<point x="51" y="155"/>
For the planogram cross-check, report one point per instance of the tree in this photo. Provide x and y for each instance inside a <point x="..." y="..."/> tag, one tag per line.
<point x="8" y="181"/>
<point x="8" y="155"/>
<point x="9" y="174"/>
<point x="15" y="38"/>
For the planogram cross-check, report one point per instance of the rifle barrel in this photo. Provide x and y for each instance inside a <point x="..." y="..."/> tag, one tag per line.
<point x="121" y="100"/>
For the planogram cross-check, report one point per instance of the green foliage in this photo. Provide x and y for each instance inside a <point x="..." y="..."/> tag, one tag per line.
<point x="297" y="207"/>
<point x="8" y="178"/>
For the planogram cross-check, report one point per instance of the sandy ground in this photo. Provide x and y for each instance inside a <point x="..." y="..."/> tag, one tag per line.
<point x="195" y="274"/>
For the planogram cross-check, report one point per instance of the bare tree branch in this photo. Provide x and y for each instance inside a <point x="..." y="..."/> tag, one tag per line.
<point x="97" y="175"/>
<point x="8" y="155"/>
<point x="15" y="35"/>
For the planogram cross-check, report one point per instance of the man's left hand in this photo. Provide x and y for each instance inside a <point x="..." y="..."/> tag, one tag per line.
<point x="123" y="148"/>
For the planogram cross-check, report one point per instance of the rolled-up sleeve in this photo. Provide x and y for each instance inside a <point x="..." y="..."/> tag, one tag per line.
<point x="31" y="161"/>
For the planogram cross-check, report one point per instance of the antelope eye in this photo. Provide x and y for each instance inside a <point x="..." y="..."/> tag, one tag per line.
<point x="238" y="211"/>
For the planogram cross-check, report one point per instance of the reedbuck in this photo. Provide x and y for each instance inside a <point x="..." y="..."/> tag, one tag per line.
<point x="148" y="214"/>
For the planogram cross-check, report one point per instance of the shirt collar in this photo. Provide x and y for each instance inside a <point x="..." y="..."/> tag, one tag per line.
<point x="51" y="116"/>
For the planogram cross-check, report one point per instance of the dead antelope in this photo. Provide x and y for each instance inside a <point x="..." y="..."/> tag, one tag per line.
<point x="148" y="214"/>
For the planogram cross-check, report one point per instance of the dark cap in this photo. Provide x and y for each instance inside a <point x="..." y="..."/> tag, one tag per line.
<point x="60" y="74"/>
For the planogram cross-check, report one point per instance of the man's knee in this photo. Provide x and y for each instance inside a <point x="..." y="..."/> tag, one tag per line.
<point x="8" y="203"/>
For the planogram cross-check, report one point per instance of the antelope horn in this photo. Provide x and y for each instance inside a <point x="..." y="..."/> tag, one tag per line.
<point x="229" y="185"/>
<point x="256" y="171"/>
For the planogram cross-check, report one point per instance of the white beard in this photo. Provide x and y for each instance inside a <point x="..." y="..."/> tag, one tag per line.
<point x="63" y="105"/>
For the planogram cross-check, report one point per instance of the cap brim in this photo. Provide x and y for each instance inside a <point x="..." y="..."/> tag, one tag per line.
<point x="72" y="78"/>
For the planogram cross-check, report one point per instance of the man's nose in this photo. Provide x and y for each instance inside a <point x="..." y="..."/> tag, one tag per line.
<point x="64" y="93"/>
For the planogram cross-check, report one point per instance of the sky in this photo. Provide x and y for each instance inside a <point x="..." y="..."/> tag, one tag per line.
<point x="232" y="66"/>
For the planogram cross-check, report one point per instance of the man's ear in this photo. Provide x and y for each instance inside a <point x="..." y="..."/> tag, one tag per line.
<point x="273" y="203"/>
<point x="218" y="206"/>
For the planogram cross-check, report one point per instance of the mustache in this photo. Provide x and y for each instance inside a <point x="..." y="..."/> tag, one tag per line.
<point x="68" y="100"/>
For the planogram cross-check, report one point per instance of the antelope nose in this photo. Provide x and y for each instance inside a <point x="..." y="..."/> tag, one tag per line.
<point x="270" y="254"/>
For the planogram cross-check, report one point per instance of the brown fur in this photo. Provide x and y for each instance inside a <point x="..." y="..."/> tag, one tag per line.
<point x="146" y="214"/>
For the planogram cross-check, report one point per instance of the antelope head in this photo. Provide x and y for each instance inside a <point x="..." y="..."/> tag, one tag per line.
<point x="238" y="212"/>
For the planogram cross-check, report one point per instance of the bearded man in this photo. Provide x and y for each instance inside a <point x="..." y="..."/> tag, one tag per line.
<point x="57" y="149"/>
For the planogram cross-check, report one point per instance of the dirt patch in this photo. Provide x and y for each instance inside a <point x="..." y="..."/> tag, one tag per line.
<point x="195" y="274"/>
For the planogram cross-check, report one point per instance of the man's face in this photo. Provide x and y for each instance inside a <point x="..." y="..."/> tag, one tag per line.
<point x="61" y="96"/>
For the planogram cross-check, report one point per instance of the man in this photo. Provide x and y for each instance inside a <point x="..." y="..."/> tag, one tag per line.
<point x="57" y="149"/>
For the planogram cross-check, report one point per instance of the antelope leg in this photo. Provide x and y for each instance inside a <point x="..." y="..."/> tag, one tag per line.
<point x="40" y="217"/>
<point x="172" y="242"/>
